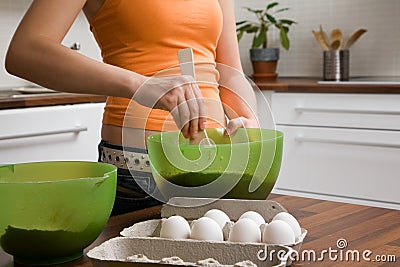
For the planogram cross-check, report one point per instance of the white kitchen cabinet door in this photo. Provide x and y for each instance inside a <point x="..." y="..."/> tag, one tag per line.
<point x="356" y="166"/>
<point x="69" y="132"/>
<point x="364" y="111"/>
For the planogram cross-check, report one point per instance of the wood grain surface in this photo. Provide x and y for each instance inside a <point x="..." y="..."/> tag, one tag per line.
<point x="363" y="229"/>
<point x="282" y="84"/>
<point x="38" y="100"/>
<point x="311" y="85"/>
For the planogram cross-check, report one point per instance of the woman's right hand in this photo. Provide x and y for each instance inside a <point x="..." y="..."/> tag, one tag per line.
<point x="179" y="95"/>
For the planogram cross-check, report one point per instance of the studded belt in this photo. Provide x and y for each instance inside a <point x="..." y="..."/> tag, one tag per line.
<point x="126" y="159"/>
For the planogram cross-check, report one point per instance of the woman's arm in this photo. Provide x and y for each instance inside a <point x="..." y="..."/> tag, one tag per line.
<point x="236" y="92"/>
<point x="36" y="54"/>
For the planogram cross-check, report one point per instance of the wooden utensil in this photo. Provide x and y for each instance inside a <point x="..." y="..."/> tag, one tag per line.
<point x="186" y="64"/>
<point x="320" y="40"/>
<point x="354" y="37"/>
<point x="324" y="35"/>
<point x="336" y="39"/>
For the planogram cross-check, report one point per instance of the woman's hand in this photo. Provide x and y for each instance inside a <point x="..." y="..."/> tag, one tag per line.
<point x="179" y="95"/>
<point x="240" y="122"/>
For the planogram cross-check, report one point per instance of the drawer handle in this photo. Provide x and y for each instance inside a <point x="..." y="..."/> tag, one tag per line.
<point x="344" y="142"/>
<point x="350" y="111"/>
<point x="74" y="130"/>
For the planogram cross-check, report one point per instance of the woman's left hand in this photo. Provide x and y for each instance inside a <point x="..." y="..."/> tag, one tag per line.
<point x="240" y="122"/>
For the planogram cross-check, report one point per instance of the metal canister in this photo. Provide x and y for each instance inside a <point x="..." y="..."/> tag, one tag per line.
<point x="336" y="65"/>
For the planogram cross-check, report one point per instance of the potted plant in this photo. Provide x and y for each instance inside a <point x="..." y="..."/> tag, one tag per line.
<point x="264" y="58"/>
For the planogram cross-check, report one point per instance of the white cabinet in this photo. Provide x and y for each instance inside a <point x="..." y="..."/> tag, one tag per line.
<point x="343" y="147"/>
<point x="65" y="132"/>
<point x="337" y="110"/>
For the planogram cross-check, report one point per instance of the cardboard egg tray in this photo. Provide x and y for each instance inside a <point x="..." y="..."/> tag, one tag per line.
<point x="140" y="244"/>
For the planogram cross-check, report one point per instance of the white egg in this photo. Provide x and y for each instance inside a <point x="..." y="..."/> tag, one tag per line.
<point x="255" y="216"/>
<point x="175" y="227"/>
<point x="219" y="216"/>
<point x="206" y="228"/>
<point x="291" y="220"/>
<point x="245" y="230"/>
<point x="278" y="232"/>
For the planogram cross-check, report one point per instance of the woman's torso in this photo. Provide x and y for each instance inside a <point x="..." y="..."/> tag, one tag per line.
<point x="144" y="37"/>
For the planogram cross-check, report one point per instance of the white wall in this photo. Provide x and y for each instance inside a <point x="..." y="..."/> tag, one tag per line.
<point x="376" y="53"/>
<point x="11" y="12"/>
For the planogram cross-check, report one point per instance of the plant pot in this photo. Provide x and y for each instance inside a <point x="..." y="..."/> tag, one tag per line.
<point x="264" y="61"/>
<point x="264" y="67"/>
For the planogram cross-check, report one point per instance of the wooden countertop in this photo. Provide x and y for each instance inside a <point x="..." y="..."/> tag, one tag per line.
<point x="311" y="85"/>
<point x="282" y="84"/>
<point x="363" y="228"/>
<point x="49" y="99"/>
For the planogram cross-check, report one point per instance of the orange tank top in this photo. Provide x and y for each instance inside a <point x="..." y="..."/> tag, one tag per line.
<point x="144" y="36"/>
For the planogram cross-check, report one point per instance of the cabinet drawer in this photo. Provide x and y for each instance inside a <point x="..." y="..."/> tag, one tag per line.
<point x="354" y="164"/>
<point x="70" y="132"/>
<point x="337" y="110"/>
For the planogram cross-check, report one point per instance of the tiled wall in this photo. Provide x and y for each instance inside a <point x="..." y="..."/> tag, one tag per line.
<point x="376" y="53"/>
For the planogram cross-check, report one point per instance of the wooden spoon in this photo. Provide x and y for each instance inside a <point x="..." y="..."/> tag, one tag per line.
<point x="336" y="39"/>
<point x="320" y="40"/>
<point x="354" y="37"/>
<point x="324" y="35"/>
<point x="186" y="64"/>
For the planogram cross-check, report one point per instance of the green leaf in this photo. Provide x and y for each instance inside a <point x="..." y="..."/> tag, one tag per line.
<point x="241" y="22"/>
<point x="239" y="36"/>
<point x="284" y="39"/>
<point x="252" y="29"/>
<point x="271" y="18"/>
<point x="248" y="28"/>
<point x="244" y="27"/>
<point x="255" y="11"/>
<point x="254" y="42"/>
<point x="271" y="5"/>
<point x="287" y="21"/>
<point x="259" y="39"/>
<point x="281" y="10"/>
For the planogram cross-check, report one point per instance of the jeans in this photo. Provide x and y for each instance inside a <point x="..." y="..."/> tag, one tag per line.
<point x="130" y="195"/>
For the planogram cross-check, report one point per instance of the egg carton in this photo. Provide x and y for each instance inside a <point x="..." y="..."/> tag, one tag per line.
<point x="140" y="244"/>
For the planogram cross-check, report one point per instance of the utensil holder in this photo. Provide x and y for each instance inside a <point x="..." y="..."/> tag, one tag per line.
<point x="336" y="65"/>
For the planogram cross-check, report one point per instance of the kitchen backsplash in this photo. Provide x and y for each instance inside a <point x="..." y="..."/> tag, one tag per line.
<point x="376" y="53"/>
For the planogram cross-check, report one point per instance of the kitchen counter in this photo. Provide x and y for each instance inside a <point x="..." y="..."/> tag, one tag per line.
<point x="312" y="85"/>
<point x="282" y="84"/>
<point x="8" y="101"/>
<point x="329" y="224"/>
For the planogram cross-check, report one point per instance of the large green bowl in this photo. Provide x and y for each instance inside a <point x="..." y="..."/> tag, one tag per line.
<point x="245" y="165"/>
<point x="51" y="211"/>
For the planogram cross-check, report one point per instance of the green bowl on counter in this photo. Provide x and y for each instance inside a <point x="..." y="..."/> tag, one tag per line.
<point x="242" y="166"/>
<point x="51" y="211"/>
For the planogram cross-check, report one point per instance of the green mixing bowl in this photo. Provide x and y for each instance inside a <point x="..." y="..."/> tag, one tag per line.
<point x="244" y="165"/>
<point x="51" y="211"/>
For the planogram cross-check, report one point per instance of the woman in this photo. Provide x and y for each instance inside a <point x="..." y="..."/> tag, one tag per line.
<point x="139" y="41"/>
